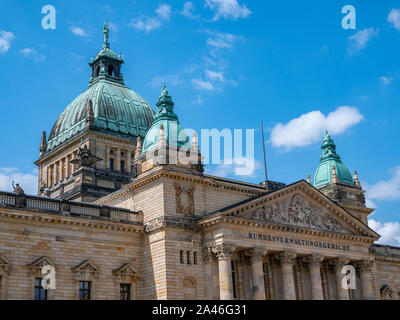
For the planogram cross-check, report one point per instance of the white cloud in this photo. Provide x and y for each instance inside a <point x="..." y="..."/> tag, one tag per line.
<point x="188" y="10"/>
<point x="385" y="80"/>
<point x="164" y="11"/>
<point x="199" y="101"/>
<point x="222" y="40"/>
<point x="31" y="53"/>
<point x="5" y="41"/>
<point x="201" y="84"/>
<point x="359" y="40"/>
<point x="386" y="189"/>
<point x="228" y="9"/>
<point x="394" y="18"/>
<point x="148" y="24"/>
<point x="27" y="181"/>
<point x="169" y="80"/>
<point x="214" y="76"/>
<point x="389" y="231"/>
<point x="308" y="128"/>
<point x="78" y="31"/>
<point x="239" y="166"/>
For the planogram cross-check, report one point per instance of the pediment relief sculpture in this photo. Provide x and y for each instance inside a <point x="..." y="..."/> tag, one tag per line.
<point x="296" y="211"/>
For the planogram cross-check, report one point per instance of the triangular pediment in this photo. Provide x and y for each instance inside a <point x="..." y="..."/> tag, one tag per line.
<point x="85" y="266"/>
<point x="41" y="262"/>
<point x="126" y="269"/>
<point x="300" y="205"/>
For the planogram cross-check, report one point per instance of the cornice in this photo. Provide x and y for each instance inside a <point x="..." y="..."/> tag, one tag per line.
<point x="72" y="221"/>
<point x="286" y="228"/>
<point x="177" y="176"/>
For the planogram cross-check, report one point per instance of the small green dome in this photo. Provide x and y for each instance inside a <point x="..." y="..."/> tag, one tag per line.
<point x="329" y="158"/>
<point x="174" y="133"/>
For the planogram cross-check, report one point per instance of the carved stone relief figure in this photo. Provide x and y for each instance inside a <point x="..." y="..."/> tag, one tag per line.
<point x="296" y="211"/>
<point x="184" y="200"/>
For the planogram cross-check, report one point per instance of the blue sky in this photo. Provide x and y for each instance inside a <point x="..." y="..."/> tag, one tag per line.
<point x="227" y="64"/>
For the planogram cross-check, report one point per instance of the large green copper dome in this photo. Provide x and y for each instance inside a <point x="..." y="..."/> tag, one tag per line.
<point x="117" y="109"/>
<point x="329" y="157"/>
<point x="174" y="133"/>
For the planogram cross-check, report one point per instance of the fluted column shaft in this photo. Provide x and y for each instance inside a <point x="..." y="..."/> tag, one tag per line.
<point x="339" y="263"/>
<point x="287" y="260"/>
<point x="257" y="258"/>
<point x="315" y="276"/>
<point x="366" y="280"/>
<point x="223" y="253"/>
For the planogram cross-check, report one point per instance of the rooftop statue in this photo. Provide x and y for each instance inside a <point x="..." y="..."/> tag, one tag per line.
<point x="85" y="158"/>
<point x="17" y="189"/>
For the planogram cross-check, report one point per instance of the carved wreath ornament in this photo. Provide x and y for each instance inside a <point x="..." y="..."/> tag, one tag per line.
<point x="297" y="211"/>
<point x="184" y="200"/>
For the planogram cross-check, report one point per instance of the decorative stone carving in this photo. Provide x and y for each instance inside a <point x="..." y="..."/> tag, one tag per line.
<point x="207" y="254"/>
<point x="184" y="200"/>
<point x="339" y="262"/>
<point x="171" y="222"/>
<point x="4" y="264"/>
<point x="313" y="260"/>
<point x="223" y="251"/>
<point x="365" y="265"/>
<point x="85" y="158"/>
<point x="285" y="257"/>
<point x="296" y="211"/>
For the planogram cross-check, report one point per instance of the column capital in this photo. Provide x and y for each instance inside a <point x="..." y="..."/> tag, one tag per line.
<point x="254" y="254"/>
<point x="339" y="262"/>
<point x="314" y="260"/>
<point x="286" y="257"/>
<point x="223" y="251"/>
<point x="365" y="265"/>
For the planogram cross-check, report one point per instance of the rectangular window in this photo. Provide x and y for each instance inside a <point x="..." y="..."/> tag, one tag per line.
<point x="84" y="290"/>
<point x="122" y="166"/>
<point x="112" y="164"/>
<point x="195" y="257"/>
<point x="234" y="279"/>
<point x="40" y="292"/>
<point x="182" y="256"/>
<point x="188" y="257"/>
<point x="125" y="291"/>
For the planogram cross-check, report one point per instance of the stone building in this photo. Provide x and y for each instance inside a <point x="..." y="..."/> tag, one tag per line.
<point x="125" y="211"/>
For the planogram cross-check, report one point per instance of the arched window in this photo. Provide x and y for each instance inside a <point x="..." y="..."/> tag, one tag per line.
<point x="97" y="71"/>
<point x="110" y="70"/>
<point x="386" y="292"/>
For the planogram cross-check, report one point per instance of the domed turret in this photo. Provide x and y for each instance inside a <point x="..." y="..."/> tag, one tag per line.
<point x="328" y="160"/>
<point x="167" y="121"/>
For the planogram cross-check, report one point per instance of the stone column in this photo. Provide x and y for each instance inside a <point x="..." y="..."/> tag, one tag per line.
<point x="339" y="263"/>
<point x="108" y="157"/>
<point x="223" y="253"/>
<point x="207" y="261"/>
<point x="366" y="279"/>
<point x="314" y="264"/>
<point x="118" y="159"/>
<point x="128" y="161"/>
<point x="257" y="258"/>
<point x="287" y="260"/>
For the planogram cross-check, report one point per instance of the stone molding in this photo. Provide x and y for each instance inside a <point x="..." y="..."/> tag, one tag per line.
<point x="171" y="222"/>
<point x="184" y="200"/>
